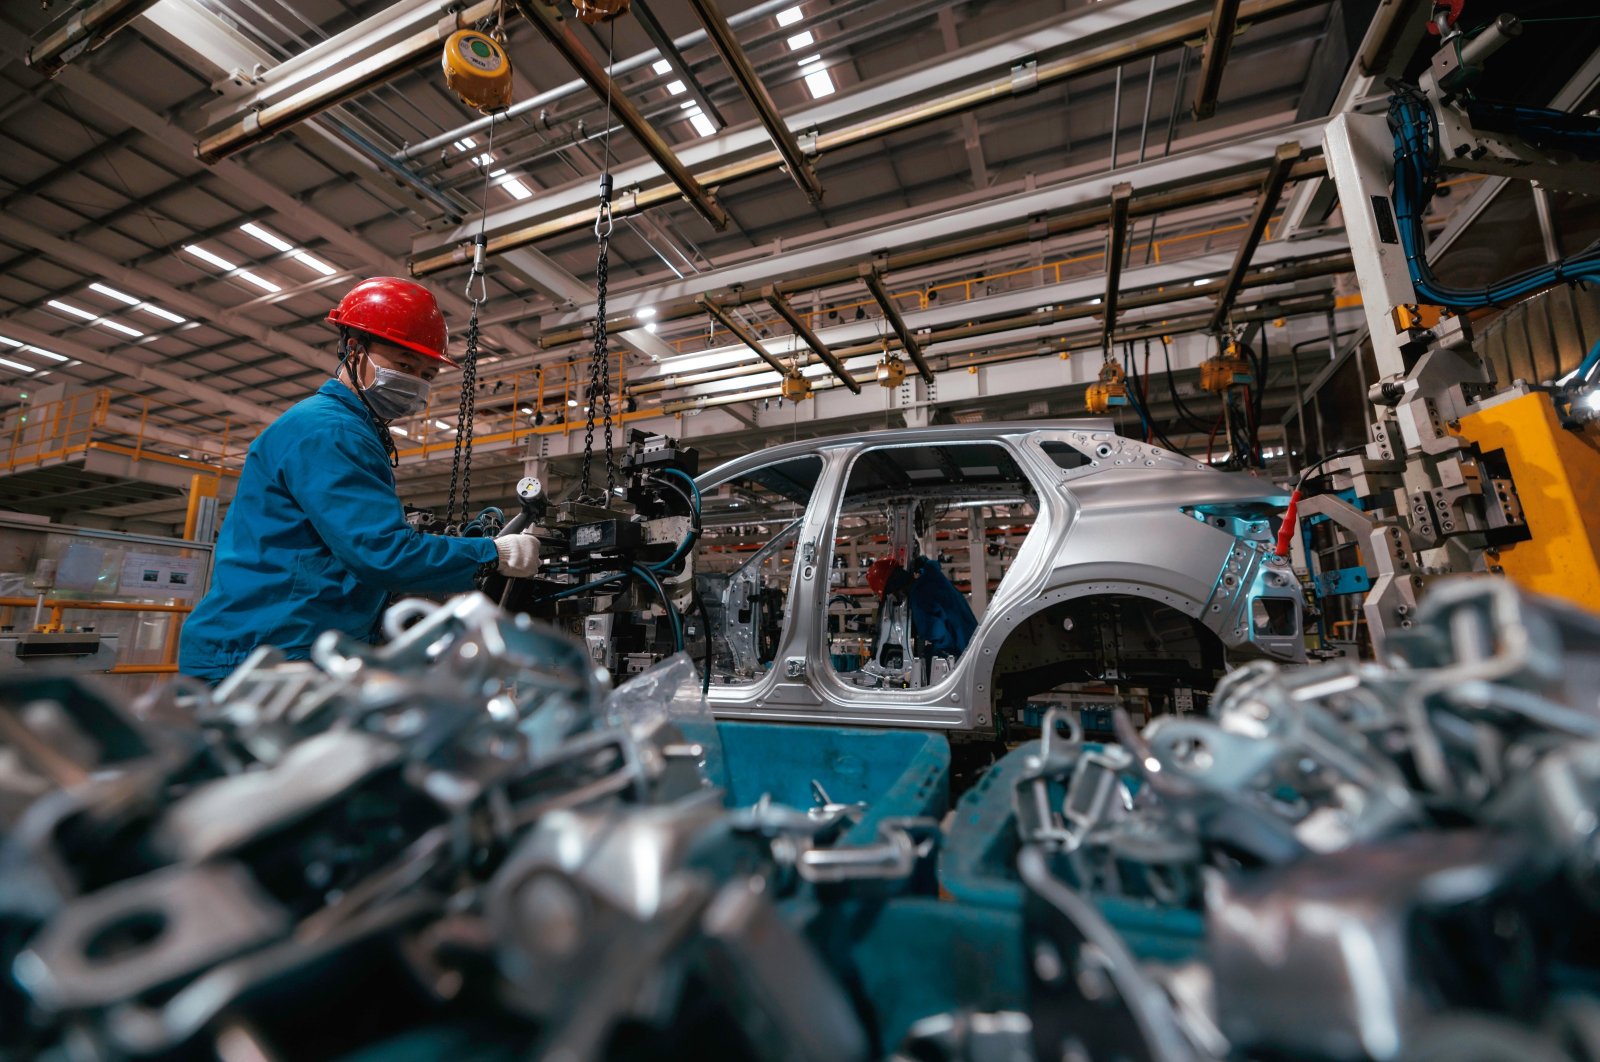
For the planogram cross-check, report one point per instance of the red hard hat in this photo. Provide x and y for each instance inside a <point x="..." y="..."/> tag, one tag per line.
<point x="396" y="311"/>
<point x="878" y="575"/>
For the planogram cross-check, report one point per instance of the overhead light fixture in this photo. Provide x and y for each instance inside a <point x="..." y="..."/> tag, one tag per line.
<point x="313" y="262"/>
<point x="808" y="60"/>
<point x="401" y="431"/>
<point x="120" y="296"/>
<point x="661" y="66"/>
<point x="106" y="322"/>
<point x="261" y="282"/>
<point x="441" y="424"/>
<point x="525" y="409"/>
<point x="701" y="123"/>
<point x="572" y="403"/>
<point x="513" y="185"/>
<point x="646" y="313"/>
<point x="206" y="256"/>
<point x="650" y="327"/>
<point x="1201" y="283"/>
<point x="803" y="39"/>
<point x="165" y="315"/>
<point x="677" y="88"/>
<point x="789" y="16"/>
<point x="466" y="143"/>
<point x="8" y="363"/>
<point x="271" y="239"/>
<point x="819" y="83"/>
<point x="76" y="311"/>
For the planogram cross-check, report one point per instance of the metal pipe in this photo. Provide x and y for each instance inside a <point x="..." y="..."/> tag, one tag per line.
<point x="743" y="334"/>
<point x="803" y="330"/>
<point x="999" y="325"/>
<point x="1283" y="161"/>
<point x="594" y="75"/>
<point x="1547" y="227"/>
<point x="561" y="92"/>
<point x="1096" y="59"/>
<point x="1149" y="95"/>
<point x="1116" y="240"/>
<point x="1147" y="204"/>
<point x="755" y="93"/>
<point x="1219" y="42"/>
<point x="669" y="51"/>
<point x="1116" y="117"/>
<point x="874" y="282"/>
<point x="346" y="82"/>
<point x="82" y="33"/>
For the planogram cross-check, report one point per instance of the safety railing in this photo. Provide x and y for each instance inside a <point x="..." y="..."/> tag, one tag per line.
<point x="116" y="421"/>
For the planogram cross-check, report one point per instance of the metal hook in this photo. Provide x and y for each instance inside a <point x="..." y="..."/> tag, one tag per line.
<point x="478" y="247"/>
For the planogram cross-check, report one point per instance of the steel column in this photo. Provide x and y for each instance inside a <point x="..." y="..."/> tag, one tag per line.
<point x="803" y="330"/>
<point x="1116" y="244"/>
<point x="1283" y="161"/>
<point x="1219" y="42"/>
<point x="891" y="313"/>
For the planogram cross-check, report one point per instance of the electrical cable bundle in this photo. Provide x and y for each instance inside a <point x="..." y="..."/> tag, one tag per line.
<point x="1416" y="168"/>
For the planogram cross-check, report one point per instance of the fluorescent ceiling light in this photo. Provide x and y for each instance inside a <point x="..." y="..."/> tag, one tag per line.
<point x="165" y="315"/>
<point x="661" y="66"/>
<point x="401" y="431"/>
<point x="8" y="363"/>
<point x="646" y="313"/>
<point x="483" y="159"/>
<point x="819" y="83"/>
<point x="8" y="341"/>
<point x="206" y="256"/>
<point x="701" y="123"/>
<point x="803" y="39"/>
<point x="441" y="424"/>
<point x="466" y="143"/>
<point x="688" y="105"/>
<point x="1201" y="283"/>
<point x="676" y="88"/>
<point x="271" y="239"/>
<point x="651" y="328"/>
<point x="518" y="190"/>
<point x="789" y="16"/>
<point x="76" y="311"/>
<point x="106" y="322"/>
<point x="572" y="403"/>
<point x="52" y="355"/>
<point x="120" y="296"/>
<point x="260" y="282"/>
<point x="808" y="60"/>
<point x="314" y="262"/>
<point x="526" y="409"/>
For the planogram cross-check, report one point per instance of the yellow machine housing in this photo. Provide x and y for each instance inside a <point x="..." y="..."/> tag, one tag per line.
<point x="477" y="70"/>
<point x="595" y="12"/>
<point x="891" y="371"/>
<point x="1111" y="390"/>
<point x="1557" y="475"/>
<point x="796" y="387"/>
<point x="1219" y="373"/>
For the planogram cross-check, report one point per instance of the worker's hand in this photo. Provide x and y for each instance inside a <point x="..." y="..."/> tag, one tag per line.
<point x="519" y="555"/>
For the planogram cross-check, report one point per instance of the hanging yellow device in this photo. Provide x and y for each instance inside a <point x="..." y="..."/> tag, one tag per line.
<point x="477" y="70"/>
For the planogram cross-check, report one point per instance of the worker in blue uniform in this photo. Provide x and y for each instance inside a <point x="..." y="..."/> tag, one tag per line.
<point x="941" y="619"/>
<point x="316" y="538"/>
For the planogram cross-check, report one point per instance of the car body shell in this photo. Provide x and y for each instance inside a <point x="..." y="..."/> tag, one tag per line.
<point x="1132" y="519"/>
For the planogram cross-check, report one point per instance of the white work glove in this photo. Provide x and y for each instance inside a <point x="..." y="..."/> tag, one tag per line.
<point x="519" y="555"/>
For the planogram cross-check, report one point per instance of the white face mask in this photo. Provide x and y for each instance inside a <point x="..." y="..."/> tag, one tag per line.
<point x="394" y="394"/>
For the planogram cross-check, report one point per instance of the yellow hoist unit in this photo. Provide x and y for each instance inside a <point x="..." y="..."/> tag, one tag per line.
<point x="476" y="69"/>
<point x="796" y="387"/>
<point x="595" y="12"/>
<point x="1225" y="370"/>
<point x="891" y="371"/>
<point x="1111" y="391"/>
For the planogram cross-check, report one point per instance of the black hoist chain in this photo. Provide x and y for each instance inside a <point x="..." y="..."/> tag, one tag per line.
<point x="466" y="411"/>
<point x="599" y="394"/>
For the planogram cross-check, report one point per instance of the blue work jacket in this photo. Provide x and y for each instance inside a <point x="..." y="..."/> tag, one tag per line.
<point x="315" y="540"/>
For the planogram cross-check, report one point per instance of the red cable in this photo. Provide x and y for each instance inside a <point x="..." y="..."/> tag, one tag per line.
<point x="1286" y="532"/>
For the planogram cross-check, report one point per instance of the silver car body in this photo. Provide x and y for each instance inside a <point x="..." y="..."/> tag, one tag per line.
<point x="1133" y="519"/>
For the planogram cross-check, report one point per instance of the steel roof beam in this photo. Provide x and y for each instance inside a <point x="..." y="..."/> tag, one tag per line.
<point x="95" y="264"/>
<point x="742" y="334"/>
<point x="1092" y="41"/>
<point x="84" y="31"/>
<point x="803" y="330"/>
<point x="600" y="83"/>
<point x="680" y="68"/>
<point x="755" y="93"/>
<point x="1219" y="42"/>
<point x="891" y="312"/>
<point x="1116" y="246"/>
<point x="1283" y="161"/>
<point x="200" y="392"/>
